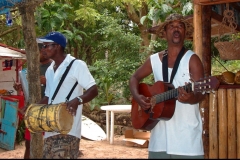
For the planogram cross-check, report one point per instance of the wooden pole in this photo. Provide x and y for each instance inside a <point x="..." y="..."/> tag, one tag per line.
<point x="222" y="121"/>
<point x="213" y="125"/>
<point x="202" y="47"/>
<point x="232" y="145"/>
<point x="197" y="34"/>
<point x="238" y="121"/>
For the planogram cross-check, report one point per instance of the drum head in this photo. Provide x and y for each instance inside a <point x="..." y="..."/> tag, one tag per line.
<point x="65" y="120"/>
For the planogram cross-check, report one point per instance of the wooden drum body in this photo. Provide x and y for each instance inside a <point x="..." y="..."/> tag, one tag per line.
<point x="48" y="118"/>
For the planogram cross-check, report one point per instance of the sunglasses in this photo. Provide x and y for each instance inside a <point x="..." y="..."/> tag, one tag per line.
<point x="44" y="46"/>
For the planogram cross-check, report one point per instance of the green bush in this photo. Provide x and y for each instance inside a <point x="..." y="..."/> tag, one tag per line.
<point x="20" y="132"/>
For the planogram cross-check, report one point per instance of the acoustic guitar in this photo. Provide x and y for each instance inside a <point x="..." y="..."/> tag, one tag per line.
<point x="162" y="97"/>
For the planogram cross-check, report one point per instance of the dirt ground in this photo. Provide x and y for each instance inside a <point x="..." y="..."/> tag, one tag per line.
<point x="92" y="149"/>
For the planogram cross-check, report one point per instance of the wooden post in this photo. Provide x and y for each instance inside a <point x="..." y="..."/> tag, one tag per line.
<point x="238" y="121"/>
<point x="213" y="126"/>
<point x="197" y="34"/>
<point x="222" y="121"/>
<point x="206" y="40"/>
<point x="202" y="47"/>
<point x="206" y="59"/>
<point x="232" y="145"/>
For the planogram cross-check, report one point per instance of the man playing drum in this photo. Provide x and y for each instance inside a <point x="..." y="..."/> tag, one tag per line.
<point x="58" y="145"/>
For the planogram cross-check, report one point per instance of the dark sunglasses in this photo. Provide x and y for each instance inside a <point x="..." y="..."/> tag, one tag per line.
<point x="47" y="45"/>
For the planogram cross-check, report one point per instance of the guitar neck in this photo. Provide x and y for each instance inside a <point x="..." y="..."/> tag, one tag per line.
<point x="170" y="94"/>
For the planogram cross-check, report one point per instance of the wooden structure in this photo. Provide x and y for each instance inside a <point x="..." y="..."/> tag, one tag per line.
<point x="10" y="60"/>
<point x="221" y="123"/>
<point x="224" y="122"/>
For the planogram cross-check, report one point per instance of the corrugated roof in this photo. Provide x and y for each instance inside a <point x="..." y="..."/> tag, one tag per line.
<point x="7" y="51"/>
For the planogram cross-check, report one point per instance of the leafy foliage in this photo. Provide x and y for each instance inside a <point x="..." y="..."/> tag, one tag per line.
<point x="20" y="132"/>
<point x="53" y="16"/>
<point x="112" y="81"/>
<point x="88" y="15"/>
<point x="117" y="60"/>
<point x="116" y="41"/>
<point x="158" y="10"/>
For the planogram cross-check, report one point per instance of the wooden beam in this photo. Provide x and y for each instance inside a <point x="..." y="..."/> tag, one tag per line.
<point x="235" y="6"/>
<point x="218" y="19"/>
<point x="197" y="34"/>
<point x="213" y="2"/>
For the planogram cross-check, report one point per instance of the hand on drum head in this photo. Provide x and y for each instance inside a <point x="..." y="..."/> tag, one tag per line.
<point x="72" y="106"/>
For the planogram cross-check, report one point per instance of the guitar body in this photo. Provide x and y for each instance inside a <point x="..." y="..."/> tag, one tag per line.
<point x="142" y="119"/>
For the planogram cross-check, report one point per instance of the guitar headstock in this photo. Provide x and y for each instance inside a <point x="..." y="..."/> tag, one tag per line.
<point x="208" y="84"/>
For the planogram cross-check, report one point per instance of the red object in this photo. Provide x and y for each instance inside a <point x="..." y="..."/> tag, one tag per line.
<point x="20" y="104"/>
<point x="163" y="101"/>
<point x="27" y="134"/>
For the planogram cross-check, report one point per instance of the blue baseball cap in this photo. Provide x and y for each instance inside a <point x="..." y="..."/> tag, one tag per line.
<point x="56" y="37"/>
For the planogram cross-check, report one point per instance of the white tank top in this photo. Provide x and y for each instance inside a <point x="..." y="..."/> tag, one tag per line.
<point x="182" y="134"/>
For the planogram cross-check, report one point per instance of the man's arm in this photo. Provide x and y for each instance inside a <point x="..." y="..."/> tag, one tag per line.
<point x="196" y="73"/>
<point x="142" y="72"/>
<point x="87" y="96"/>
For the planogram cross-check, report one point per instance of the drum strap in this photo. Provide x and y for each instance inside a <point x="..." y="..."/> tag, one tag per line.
<point x="58" y="87"/>
<point x="69" y="94"/>
<point x="61" y="81"/>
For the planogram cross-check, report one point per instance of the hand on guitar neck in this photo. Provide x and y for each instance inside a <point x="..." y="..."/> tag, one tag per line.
<point x="158" y="102"/>
<point x="186" y="95"/>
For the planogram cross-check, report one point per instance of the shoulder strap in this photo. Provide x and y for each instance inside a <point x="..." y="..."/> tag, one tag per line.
<point x="165" y="66"/>
<point x="62" y="79"/>
<point x="70" y="93"/>
<point x="175" y="67"/>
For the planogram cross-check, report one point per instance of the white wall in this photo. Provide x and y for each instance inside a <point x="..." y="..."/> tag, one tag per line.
<point x="7" y="76"/>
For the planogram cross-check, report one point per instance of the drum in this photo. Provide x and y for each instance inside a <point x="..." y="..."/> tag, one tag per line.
<point x="48" y="118"/>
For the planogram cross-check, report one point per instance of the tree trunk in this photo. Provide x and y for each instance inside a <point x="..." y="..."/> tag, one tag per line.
<point x="27" y="10"/>
<point x="135" y="16"/>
